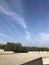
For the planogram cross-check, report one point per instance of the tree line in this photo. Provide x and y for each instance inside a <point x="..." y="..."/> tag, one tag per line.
<point x="17" y="47"/>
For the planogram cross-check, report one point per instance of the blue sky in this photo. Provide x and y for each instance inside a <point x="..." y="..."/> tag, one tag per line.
<point x="25" y="21"/>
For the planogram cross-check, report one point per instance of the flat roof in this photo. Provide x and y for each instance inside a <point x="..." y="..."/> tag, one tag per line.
<point x="20" y="58"/>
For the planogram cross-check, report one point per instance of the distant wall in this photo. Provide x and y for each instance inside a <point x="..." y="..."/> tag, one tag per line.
<point x="38" y="52"/>
<point x="34" y="62"/>
<point x="5" y="52"/>
<point x="1" y="50"/>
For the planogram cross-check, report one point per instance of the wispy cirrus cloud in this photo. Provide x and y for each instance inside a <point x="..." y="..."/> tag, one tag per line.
<point x="5" y="37"/>
<point x="17" y="19"/>
<point x="5" y="9"/>
<point x="1" y="34"/>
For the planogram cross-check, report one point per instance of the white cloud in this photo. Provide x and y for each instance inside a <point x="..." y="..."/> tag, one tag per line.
<point x="20" y="21"/>
<point x="3" y="11"/>
<point x="17" y="18"/>
<point x="28" y="36"/>
<point x="44" y="36"/>
<point x="42" y="39"/>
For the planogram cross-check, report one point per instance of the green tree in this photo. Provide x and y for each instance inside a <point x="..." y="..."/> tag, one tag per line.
<point x="9" y="46"/>
<point x="0" y="46"/>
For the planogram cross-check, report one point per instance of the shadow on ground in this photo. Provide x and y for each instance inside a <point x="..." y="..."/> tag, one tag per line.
<point x="37" y="61"/>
